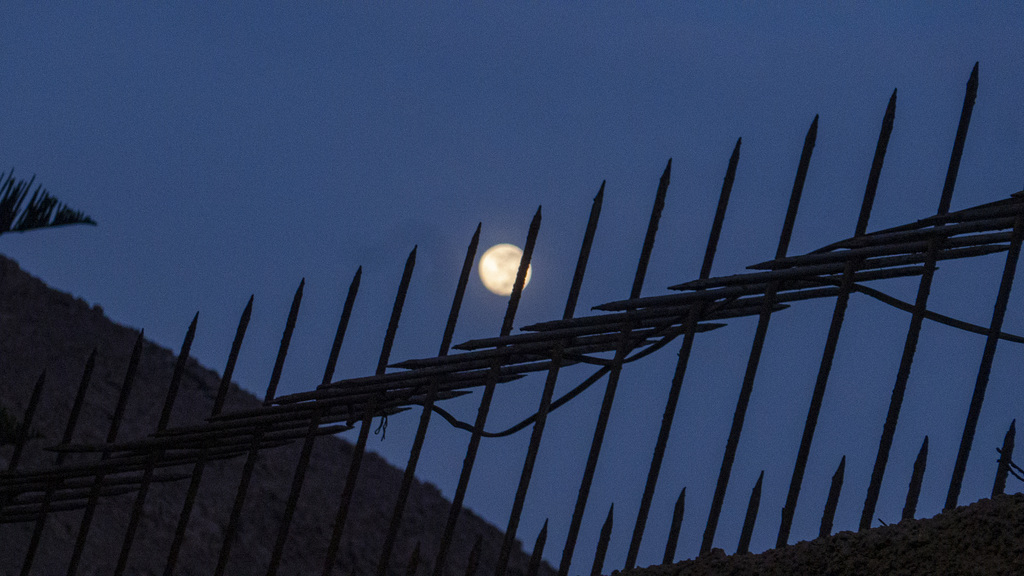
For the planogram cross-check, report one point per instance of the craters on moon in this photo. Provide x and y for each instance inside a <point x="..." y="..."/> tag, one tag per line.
<point x="498" y="267"/>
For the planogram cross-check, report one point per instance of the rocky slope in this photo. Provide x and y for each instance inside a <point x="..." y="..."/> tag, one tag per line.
<point x="41" y="328"/>
<point x="984" y="539"/>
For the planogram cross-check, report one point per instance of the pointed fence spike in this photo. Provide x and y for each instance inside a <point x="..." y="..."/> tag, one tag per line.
<point x="987" y="359"/>
<point x="538" y="551"/>
<point x="1005" y="457"/>
<point x="673" y="530"/>
<point x="421" y="431"/>
<point x="723" y="204"/>
<point x="602" y="543"/>
<point x="455" y="509"/>
<point x="414" y="561"/>
<point x="751" y="518"/>
<point x="26" y="422"/>
<point x="652" y="231"/>
<point x="544" y="408"/>
<point x="282" y="350"/>
<point x="876" y="166"/>
<point x="760" y="334"/>
<point x="339" y="335"/>
<point x="473" y="562"/>
<point x="920" y="308"/>
<point x="914" y="492"/>
<point x="832" y="501"/>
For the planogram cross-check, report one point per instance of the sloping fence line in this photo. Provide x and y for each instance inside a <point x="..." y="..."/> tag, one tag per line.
<point x="622" y="332"/>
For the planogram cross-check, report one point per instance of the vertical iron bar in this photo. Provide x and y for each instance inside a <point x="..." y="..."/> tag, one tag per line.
<point x="759" y="337"/>
<point x="115" y="425"/>
<point x="200" y="465"/>
<point x="428" y="406"/>
<point x="613" y="378"/>
<point x="549" y="390"/>
<point x="485" y="401"/>
<point x="538" y="551"/>
<point x="1005" y="457"/>
<point x="832" y="340"/>
<point x="673" y="529"/>
<point x="602" y="543"/>
<point x="299" y="476"/>
<point x="69" y="432"/>
<point x="147" y="474"/>
<point x="832" y="501"/>
<point x="681" y="363"/>
<point x="985" y="370"/>
<point x="257" y="437"/>
<point x="368" y="412"/>
<point x="751" y="518"/>
<point x="920" y="307"/>
<point x="914" y="491"/>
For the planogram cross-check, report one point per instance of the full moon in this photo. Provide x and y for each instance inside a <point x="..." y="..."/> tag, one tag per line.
<point x="498" y="267"/>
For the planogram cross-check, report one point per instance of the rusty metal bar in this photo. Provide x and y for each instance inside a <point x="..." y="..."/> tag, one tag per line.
<point x="673" y="529"/>
<point x="602" y="543"/>
<point x="69" y="431"/>
<point x="485" y="401"/>
<point x="369" y="410"/>
<point x="147" y="478"/>
<point x="681" y="363"/>
<point x="115" y="425"/>
<point x="835" y="327"/>
<point x="538" y="551"/>
<point x="250" y="458"/>
<point x="987" y="357"/>
<point x="751" y="518"/>
<point x="544" y="408"/>
<point x="920" y="305"/>
<point x="613" y="378"/>
<point x="832" y="501"/>
<point x="916" y="477"/>
<point x="306" y="453"/>
<point x="755" y="352"/>
<point x="1005" y="457"/>
<point x="432" y="394"/>
<point x="200" y="465"/>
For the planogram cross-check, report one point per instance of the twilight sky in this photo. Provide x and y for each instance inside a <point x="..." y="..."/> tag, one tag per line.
<point x="226" y="151"/>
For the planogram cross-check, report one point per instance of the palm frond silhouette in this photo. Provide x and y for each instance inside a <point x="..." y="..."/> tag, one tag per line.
<point x="41" y="211"/>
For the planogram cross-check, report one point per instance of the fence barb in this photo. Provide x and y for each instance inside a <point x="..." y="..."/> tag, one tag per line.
<point x="920" y="306"/>
<point x="673" y="529"/>
<point x="24" y="430"/>
<point x="682" y="362"/>
<point x="602" y="543"/>
<point x="916" y="477"/>
<point x="832" y="501"/>
<point x="987" y="357"/>
<point x="147" y="477"/>
<point x="751" y="518"/>
<point x="249" y="466"/>
<point x="473" y="562"/>
<point x="308" y="442"/>
<point x="1005" y="457"/>
<point x="538" y="551"/>
<point x="759" y="338"/>
<point x="613" y="377"/>
<point x="428" y="404"/>
<point x="69" y="431"/>
<point x="455" y="508"/>
<point x="834" y="330"/>
<point x="369" y="410"/>
<point x="549" y="389"/>
<point x="115" y="425"/>
<point x="200" y="465"/>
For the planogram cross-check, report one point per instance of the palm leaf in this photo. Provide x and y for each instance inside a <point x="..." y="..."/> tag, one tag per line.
<point x="42" y="210"/>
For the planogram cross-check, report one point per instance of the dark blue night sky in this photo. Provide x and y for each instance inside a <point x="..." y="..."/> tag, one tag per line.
<point x="226" y="151"/>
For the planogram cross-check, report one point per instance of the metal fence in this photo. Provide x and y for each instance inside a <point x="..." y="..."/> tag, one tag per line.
<point x="620" y="333"/>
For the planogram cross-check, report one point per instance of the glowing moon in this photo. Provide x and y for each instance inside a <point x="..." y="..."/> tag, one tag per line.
<point x="498" y="267"/>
